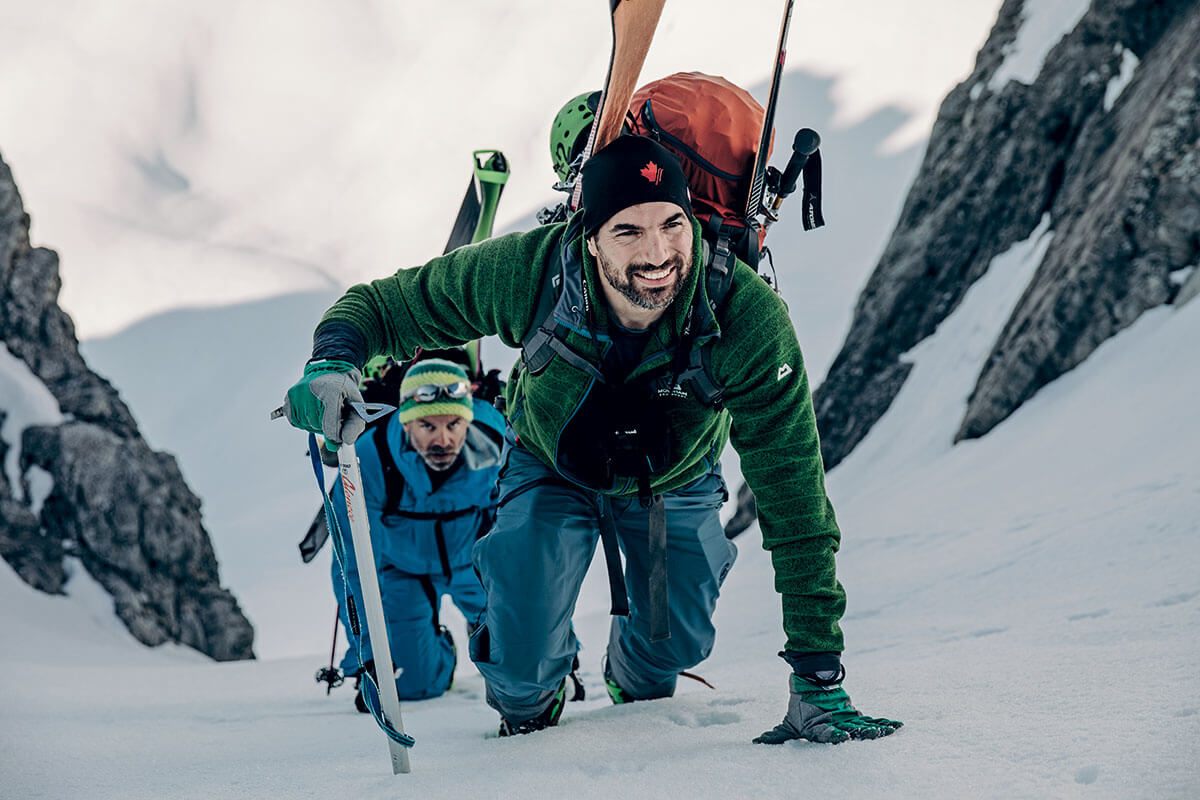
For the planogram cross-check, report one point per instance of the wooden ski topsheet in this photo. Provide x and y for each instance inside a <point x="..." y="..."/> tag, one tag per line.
<point x="634" y="23"/>
<point x="633" y="26"/>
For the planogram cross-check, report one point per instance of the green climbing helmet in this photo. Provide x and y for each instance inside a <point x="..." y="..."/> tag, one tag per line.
<point x="569" y="133"/>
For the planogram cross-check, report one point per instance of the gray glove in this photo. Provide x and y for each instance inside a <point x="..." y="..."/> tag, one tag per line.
<point x="319" y="402"/>
<point x="824" y="714"/>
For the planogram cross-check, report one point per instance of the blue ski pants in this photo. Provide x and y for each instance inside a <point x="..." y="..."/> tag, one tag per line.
<point x="533" y="562"/>
<point x="423" y="655"/>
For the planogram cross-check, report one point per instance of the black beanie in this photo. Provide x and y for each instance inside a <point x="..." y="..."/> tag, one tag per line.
<point x="628" y="171"/>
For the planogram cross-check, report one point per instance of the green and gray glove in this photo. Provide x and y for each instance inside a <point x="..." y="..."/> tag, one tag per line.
<point x="319" y="402"/>
<point x="824" y="714"/>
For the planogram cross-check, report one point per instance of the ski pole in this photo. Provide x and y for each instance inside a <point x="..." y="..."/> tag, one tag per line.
<point x="782" y="185"/>
<point x="332" y="676"/>
<point x="804" y="145"/>
<point x="754" y="200"/>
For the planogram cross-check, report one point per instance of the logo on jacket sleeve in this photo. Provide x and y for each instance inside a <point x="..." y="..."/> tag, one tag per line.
<point x="784" y="371"/>
<point x="652" y="172"/>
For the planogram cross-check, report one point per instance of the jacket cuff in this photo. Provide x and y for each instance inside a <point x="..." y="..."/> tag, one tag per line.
<point x="339" y="341"/>
<point x="810" y="663"/>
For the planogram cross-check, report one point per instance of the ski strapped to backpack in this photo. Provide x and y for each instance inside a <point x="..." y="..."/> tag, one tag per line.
<point x="633" y="25"/>
<point x="720" y="134"/>
<point x="476" y="218"/>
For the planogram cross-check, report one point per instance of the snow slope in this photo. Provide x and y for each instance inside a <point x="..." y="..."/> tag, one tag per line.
<point x="1027" y="603"/>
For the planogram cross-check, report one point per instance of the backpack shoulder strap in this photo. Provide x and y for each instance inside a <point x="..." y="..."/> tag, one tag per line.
<point x="393" y="481"/>
<point x="719" y="262"/>
<point x="562" y="307"/>
<point x="718" y="275"/>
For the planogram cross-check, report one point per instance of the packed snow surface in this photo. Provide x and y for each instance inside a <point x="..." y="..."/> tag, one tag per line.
<point x="1026" y="603"/>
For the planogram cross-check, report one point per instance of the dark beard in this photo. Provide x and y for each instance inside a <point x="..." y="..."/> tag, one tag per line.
<point x="652" y="299"/>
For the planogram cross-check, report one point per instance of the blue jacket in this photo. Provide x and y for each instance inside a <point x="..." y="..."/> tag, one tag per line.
<point x="432" y="532"/>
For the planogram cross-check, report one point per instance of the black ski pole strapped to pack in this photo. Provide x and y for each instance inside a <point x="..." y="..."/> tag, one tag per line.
<point x="754" y="200"/>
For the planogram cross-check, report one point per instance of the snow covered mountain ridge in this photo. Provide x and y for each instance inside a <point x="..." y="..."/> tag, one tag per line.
<point x="79" y="480"/>
<point x="1087" y="112"/>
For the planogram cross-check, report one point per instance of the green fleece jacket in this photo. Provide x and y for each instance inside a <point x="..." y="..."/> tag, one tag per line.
<point x="492" y="288"/>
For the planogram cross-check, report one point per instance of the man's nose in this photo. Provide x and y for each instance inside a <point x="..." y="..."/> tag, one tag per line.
<point x="657" y="247"/>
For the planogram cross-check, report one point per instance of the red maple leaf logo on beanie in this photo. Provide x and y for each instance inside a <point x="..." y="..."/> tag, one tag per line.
<point x="652" y="172"/>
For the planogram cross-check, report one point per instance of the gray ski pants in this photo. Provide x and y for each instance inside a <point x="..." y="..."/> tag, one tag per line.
<point x="532" y="564"/>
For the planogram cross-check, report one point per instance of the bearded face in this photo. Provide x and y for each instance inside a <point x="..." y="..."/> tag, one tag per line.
<point x="645" y="255"/>
<point x="648" y="286"/>
<point x="438" y="439"/>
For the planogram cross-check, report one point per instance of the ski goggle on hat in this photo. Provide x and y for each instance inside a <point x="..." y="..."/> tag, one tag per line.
<point x="435" y="387"/>
<point x="432" y="391"/>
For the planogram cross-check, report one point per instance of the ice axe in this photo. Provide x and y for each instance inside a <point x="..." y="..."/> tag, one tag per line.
<point x="383" y="702"/>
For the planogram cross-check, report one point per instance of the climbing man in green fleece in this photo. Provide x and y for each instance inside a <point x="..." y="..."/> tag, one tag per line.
<point x="641" y="356"/>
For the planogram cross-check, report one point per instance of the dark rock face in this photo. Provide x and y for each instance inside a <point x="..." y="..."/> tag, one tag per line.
<point x="122" y="508"/>
<point x="1121" y="187"/>
<point x="36" y="558"/>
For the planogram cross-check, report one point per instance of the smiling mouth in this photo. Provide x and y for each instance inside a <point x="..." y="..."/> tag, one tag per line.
<point x="656" y="277"/>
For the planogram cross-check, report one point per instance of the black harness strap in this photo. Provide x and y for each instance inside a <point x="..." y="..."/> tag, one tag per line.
<point x="393" y="481"/>
<point x="574" y="359"/>
<point x="442" y="552"/>
<point x="434" y="515"/>
<point x="431" y="594"/>
<point x="612" y="560"/>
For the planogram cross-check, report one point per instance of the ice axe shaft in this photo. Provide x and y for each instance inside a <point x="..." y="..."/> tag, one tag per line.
<point x="360" y="534"/>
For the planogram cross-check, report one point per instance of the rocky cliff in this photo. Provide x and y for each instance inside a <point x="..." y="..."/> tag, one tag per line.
<point x="121" y="508"/>
<point x="1105" y="142"/>
<point x="1118" y="176"/>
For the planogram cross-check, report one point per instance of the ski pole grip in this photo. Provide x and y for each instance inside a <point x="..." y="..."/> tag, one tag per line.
<point x="804" y="145"/>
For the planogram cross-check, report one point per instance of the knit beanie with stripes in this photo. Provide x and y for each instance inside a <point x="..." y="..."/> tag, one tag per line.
<point x="435" y="372"/>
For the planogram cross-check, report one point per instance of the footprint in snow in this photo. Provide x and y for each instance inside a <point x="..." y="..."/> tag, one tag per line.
<point x="704" y="719"/>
